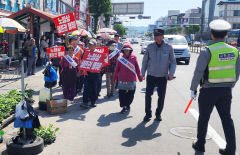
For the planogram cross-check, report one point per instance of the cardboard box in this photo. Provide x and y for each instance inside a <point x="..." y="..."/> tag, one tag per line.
<point x="57" y="106"/>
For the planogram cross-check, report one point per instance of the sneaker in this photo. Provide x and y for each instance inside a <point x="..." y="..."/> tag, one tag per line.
<point x="93" y="105"/>
<point x="226" y="152"/>
<point x="147" y="118"/>
<point x="197" y="147"/>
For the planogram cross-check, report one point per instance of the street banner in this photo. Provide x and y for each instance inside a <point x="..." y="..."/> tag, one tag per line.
<point x="56" y="52"/>
<point x="65" y="23"/>
<point x="127" y="64"/>
<point x="92" y="61"/>
<point x="115" y="52"/>
<point x="71" y="61"/>
<point x="105" y="51"/>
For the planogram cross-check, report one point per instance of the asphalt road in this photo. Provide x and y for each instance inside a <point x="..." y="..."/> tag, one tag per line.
<point x="103" y="130"/>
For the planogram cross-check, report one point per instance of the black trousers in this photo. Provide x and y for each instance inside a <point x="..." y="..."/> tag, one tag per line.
<point x="220" y="98"/>
<point x="126" y="97"/>
<point x="161" y="84"/>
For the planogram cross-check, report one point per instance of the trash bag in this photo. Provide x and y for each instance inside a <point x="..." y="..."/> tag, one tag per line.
<point x="50" y="76"/>
<point x="21" y="111"/>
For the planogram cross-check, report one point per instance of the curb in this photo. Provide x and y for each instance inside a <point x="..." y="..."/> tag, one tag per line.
<point x="7" y="121"/>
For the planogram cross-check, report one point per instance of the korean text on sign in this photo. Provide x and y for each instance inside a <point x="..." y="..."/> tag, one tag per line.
<point x="56" y="52"/>
<point x="65" y="23"/>
<point x="105" y="51"/>
<point x="92" y="62"/>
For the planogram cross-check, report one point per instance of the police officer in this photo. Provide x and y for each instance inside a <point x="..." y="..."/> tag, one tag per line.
<point x="217" y="71"/>
<point x="160" y="63"/>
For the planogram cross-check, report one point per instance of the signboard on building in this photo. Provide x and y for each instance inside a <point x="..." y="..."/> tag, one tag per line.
<point x="65" y="23"/>
<point x="127" y="8"/>
<point x="56" y="52"/>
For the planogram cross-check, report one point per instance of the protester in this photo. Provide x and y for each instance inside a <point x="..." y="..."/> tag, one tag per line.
<point x="127" y="76"/>
<point x="43" y="50"/>
<point x="90" y="82"/>
<point x="109" y="70"/>
<point x="117" y="39"/>
<point x="32" y="57"/>
<point x="79" y="55"/>
<point x="69" y="76"/>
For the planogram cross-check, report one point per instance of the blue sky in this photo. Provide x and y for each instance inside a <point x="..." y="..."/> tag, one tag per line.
<point x="159" y="8"/>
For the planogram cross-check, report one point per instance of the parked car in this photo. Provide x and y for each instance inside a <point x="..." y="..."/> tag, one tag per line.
<point x="134" y="41"/>
<point x="144" y="46"/>
<point x="180" y="47"/>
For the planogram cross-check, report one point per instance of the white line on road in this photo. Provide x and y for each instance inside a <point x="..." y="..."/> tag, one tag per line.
<point x="215" y="136"/>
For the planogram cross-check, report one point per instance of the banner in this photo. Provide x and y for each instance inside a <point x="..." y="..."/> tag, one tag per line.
<point x="56" y="52"/>
<point x="105" y="51"/>
<point x="115" y="52"/>
<point x="92" y="61"/>
<point x="127" y="64"/>
<point x="65" y="23"/>
<point x="70" y="60"/>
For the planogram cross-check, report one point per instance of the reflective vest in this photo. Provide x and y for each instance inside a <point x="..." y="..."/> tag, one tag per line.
<point x="222" y="66"/>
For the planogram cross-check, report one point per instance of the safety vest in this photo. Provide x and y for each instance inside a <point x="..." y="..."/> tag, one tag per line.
<point x="222" y="66"/>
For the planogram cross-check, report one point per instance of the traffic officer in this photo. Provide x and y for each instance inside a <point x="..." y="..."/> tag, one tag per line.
<point x="217" y="71"/>
<point x="160" y="63"/>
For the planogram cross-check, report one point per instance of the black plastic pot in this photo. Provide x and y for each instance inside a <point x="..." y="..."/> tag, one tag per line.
<point x="42" y="106"/>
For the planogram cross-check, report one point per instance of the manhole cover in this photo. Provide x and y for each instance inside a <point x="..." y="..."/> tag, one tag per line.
<point x="187" y="132"/>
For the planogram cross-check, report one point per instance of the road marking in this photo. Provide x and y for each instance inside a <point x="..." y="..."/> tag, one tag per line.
<point x="215" y="136"/>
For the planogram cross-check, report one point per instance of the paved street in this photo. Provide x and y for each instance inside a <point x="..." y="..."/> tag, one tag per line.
<point x="104" y="131"/>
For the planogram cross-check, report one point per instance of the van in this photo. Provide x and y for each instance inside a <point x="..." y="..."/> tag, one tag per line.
<point x="180" y="47"/>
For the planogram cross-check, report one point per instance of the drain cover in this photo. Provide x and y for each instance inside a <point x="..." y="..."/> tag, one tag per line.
<point x="187" y="132"/>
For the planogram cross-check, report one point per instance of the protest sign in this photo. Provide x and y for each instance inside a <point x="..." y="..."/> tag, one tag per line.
<point x="56" y="52"/>
<point x="105" y="51"/>
<point x="65" y="23"/>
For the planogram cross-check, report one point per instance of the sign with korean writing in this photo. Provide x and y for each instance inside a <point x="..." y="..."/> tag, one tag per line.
<point x="92" y="62"/>
<point x="65" y="23"/>
<point x="105" y="51"/>
<point x="56" y="52"/>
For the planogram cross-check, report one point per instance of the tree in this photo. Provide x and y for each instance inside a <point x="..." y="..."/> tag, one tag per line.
<point x="121" y="30"/>
<point x="192" y="29"/>
<point x="97" y="8"/>
<point x="149" y="34"/>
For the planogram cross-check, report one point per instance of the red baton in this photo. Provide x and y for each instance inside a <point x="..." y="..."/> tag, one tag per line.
<point x="188" y="106"/>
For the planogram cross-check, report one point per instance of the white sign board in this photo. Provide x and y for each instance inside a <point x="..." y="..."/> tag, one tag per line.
<point x="127" y="8"/>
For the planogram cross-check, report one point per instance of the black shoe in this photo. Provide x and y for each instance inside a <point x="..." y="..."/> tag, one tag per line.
<point x="84" y="105"/>
<point x="226" y="152"/>
<point x="128" y="108"/>
<point x="197" y="147"/>
<point x="33" y="74"/>
<point x="99" y="95"/>
<point x="123" y="110"/>
<point x="158" y="118"/>
<point x="93" y="105"/>
<point x="147" y="118"/>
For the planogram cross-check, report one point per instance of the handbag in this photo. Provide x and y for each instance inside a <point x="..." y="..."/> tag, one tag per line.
<point x="127" y="85"/>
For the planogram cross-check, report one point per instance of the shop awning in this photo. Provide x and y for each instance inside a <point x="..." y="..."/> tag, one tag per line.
<point x="29" y="10"/>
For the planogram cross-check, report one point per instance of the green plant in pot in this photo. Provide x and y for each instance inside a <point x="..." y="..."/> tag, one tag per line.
<point x="48" y="134"/>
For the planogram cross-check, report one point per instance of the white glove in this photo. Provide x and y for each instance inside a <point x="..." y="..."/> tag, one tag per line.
<point x="193" y="95"/>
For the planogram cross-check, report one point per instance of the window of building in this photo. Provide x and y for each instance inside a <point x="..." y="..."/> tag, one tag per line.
<point x="236" y="13"/>
<point x="221" y="13"/>
<point x="236" y="26"/>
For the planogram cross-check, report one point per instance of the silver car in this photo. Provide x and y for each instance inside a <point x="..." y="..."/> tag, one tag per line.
<point x="180" y="46"/>
<point x="144" y="46"/>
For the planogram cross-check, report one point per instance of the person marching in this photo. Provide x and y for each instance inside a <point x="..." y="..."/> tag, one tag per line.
<point x="69" y="75"/>
<point x="90" y="82"/>
<point x="217" y="71"/>
<point x="32" y="57"/>
<point x="160" y="63"/>
<point x="126" y="70"/>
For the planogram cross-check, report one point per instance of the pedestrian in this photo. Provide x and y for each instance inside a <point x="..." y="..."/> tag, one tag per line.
<point x="160" y="63"/>
<point x="69" y="76"/>
<point x="80" y="80"/>
<point x="43" y="50"/>
<point x="32" y="57"/>
<point x="117" y="39"/>
<point x="217" y="72"/>
<point x="90" y="82"/>
<point x="127" y="76"/>
<point x="99" y="40"/>
<point x="109" y="70"/>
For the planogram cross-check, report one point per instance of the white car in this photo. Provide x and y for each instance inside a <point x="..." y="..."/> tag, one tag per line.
<point x="145" y="45"/>
<point x="180" y="47"/>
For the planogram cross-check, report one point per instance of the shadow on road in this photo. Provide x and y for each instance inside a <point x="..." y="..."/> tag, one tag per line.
<point x="141" y="132"/>
<point x="198" y="153"/>
<point x="112" y="118"/>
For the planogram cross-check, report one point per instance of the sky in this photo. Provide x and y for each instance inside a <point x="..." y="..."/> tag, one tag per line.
<point x="157" y="9"/>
